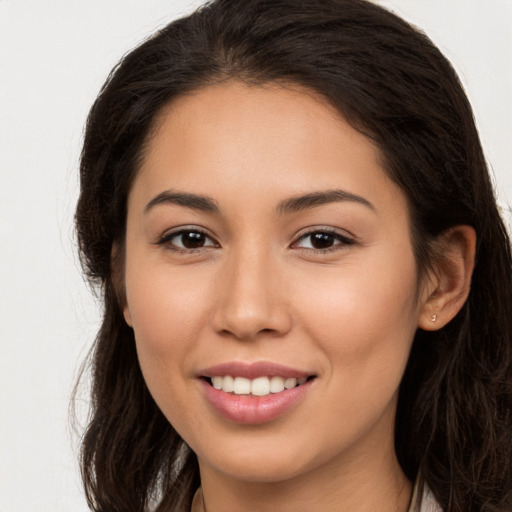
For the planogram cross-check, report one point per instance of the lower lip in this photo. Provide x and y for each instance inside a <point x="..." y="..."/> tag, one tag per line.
<point x="253" y="410"/>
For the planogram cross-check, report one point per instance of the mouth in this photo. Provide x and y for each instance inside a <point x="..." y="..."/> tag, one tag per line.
<point x="260" y="386"/>
<point x="254" y="393"/>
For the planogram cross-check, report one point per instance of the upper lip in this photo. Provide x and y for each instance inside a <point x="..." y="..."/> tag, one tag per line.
<point x="253" y="370"/>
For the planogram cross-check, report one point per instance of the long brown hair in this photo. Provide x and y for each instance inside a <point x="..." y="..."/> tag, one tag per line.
<point x="454" y="421"/>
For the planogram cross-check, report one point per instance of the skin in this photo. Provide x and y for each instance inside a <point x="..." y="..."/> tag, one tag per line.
<point x="258" y="290"/>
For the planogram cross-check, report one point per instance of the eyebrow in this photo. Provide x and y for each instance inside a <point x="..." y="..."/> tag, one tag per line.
<point x="193" y="201"/>
<point x="292" y="205"/>
<point x="307" y="201"/>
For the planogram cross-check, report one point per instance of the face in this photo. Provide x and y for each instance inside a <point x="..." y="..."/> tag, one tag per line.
<point x="270" y="282"/>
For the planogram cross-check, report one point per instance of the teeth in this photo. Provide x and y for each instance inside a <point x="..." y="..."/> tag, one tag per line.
<point x="228" y="384"/>
<point x="290" y="383"/>
<point x="276" y="384"/>
<point x="260" y="386"/>
<point x="242" y="386"/>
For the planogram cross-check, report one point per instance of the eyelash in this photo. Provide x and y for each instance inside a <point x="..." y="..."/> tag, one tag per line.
<point x="165" y="240"/>
<point x="342" y="241"/>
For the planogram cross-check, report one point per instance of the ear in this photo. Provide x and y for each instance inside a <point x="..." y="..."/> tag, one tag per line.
<point x="447" y="287"/>
<point x="127" y="316"/>
<point x="117" y="277"/>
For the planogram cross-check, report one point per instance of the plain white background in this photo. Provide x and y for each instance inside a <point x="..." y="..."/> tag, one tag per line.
<point x="54" y="56"/>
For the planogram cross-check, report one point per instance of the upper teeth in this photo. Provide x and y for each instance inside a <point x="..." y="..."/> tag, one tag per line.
<point x="260" y="386"/>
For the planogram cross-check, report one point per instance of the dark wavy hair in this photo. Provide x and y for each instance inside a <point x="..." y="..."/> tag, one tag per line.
<point x="390" y="82"/>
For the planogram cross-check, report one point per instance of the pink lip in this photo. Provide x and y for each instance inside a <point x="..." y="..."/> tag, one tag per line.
<point x="253" y="370"/>
<point x="248" y="409"/>
<point x="254" y="410"/>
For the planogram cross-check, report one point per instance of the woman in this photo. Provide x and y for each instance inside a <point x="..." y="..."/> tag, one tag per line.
<point x="307" y="283"/>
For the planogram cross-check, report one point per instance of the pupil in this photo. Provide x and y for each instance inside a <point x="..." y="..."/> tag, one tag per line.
<point x="322" y="240"/>
<point x="192" y="240"/>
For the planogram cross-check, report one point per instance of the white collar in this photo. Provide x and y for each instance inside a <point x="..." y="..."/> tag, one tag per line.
<point x="423" y="499"/>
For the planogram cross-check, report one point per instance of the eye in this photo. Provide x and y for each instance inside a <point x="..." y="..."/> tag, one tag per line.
<point x="323" y="241"/>
<point x="187" y="240"/>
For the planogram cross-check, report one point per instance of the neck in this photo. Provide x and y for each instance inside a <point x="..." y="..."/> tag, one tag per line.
<point x="359" y="484"/>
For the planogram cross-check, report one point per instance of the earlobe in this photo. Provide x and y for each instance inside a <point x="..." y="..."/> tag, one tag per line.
<point x="127" y="316"/>
<point x="117" y="278"/>
<point x="453" y="265"/>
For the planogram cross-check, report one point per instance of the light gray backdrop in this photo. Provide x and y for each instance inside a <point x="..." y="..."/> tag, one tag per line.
<point x="54" y="55"/>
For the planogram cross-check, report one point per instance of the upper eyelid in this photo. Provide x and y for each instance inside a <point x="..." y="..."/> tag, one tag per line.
<point x="167" y="235"/>
<point x="342" y="242"/>
<point x="324" y="229"/>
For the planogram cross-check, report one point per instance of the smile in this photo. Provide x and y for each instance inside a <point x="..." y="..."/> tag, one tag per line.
<point x="254" y="393"/>
<point x="260" y="386"/>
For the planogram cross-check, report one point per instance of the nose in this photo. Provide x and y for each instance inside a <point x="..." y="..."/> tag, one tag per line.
<point x="252" y="300"/>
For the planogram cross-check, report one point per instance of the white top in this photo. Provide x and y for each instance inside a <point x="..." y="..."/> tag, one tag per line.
<point x="422" y="499"/>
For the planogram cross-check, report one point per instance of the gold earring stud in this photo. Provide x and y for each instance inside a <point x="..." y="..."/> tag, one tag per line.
<point x="433" y="318"/>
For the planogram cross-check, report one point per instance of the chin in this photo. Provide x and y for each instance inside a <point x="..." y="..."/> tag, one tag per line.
<point x="258" y="468"/>
<point x="263" y="459"/>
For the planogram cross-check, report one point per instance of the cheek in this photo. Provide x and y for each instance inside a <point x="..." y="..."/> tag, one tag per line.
<point x="363" y="322"/>
<point x="168" y="309"/>
<point x="364" y="318"/>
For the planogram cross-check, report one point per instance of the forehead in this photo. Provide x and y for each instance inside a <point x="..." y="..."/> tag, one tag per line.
<point x="274" y="139"/>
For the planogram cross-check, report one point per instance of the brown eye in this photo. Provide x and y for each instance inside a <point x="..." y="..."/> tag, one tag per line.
<point x="192" y="239"/>
<point x="187" y="239"/>
<point x="322" y="241"/>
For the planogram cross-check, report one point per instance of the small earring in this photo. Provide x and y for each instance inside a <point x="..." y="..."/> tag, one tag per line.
<point x="433" y="318"/>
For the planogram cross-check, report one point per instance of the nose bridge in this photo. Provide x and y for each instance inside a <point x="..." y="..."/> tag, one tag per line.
<point x="251" y="300"/>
